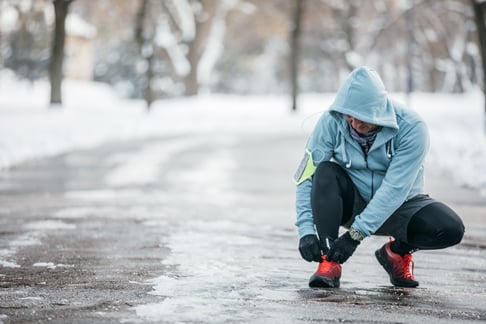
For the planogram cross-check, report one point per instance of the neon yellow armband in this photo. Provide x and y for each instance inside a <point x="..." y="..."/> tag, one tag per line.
<point x="306" y="169"/>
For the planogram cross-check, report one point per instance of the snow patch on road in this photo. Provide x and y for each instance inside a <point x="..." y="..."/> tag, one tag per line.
<point x="143" y="168"/>
<point x="209" y="274"/>
<point x="29" y="239"/>
<point x="31" y="298"/>
<point x="103" y="195"/>
<point x="8" y="264"/>
<point x="213" y="273"/>
<point x="24" y="240"/>
<point x="50" y="265"/>
<point x="210" y="179"/>
<point x="50" y="225"/>
<point x="82" y="212"/>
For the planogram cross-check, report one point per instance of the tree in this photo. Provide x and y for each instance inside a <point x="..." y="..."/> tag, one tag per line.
<point x="181" y="40"/>
<point x="479" y="10"/>
<point x="25" y="39"/>
<point x="57" y="53"/>
<point x="144" y="36"/>
<point x="295" y="50"/>
<point x="185" y="35"/>
<point x="204" y="43"/>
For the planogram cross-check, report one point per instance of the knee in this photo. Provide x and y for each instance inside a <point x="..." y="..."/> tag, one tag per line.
<point x="441" y="223"/>
<point x="452" y="229"/>
<point x="453" y="233"/>
<point x="327" y="173"/>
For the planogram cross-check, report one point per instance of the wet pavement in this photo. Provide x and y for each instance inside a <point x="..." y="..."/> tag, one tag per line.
<point x="199" y="229"/>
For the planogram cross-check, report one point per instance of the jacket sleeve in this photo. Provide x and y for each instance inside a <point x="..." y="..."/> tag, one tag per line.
<point x="305" y="221"/>
<point x="318" y="149"/>
<point x="398" y="181"/>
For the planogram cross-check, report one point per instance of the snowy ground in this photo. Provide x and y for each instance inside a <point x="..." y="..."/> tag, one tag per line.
<point x="128" y="197"/>
<point x="93" y="114"/>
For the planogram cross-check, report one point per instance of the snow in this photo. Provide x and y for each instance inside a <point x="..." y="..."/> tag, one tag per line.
<point x="92" y="115"/>
<point x="143" y="168"/>
<point x="49" y="225"/>
<point x="185" y="18"/>
<point x="27" y="239"/>
<point x="8" y="18"/>
<point x="8" y="264"/>
<point x="214" y="46"/>
<point x="31" y="298"/>
<point x="77" y="26"/>
<point x="165" y="38"/>
<point x="50" y="265"/>
<point x="221" y="276"/>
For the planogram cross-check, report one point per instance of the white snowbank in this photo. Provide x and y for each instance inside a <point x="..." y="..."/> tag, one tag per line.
<point x="92" y="114"/>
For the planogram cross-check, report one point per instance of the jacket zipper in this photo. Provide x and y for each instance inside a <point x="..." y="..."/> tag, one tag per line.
<point x="372" y="177"/>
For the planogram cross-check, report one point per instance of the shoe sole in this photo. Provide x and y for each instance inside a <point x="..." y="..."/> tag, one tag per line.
<point x="323" y="282"/>
<point x="394" y="282"/>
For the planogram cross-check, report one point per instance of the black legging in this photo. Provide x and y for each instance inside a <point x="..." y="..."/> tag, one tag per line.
<point x="334" y="196"/>
<point x="435" y="226"/>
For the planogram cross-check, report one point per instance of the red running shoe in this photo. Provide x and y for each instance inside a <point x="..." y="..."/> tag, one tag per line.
<point x="327" y="275"/>
<point x="400" y="269"/>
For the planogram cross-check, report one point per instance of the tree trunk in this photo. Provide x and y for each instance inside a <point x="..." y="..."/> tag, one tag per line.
<point x="197" y="45"/>
<point x="191" y="83"/>
<point x="1" y="40"/>
<point x="295" y="51"/>
<point x="149" y="75"/>
<point x="144" y="41"/>
<point x="479" y="8"/>
<point x="57" y="54"/>
<point x="410" y="25"/>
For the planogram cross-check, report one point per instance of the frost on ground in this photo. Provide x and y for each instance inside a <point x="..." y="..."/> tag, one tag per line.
<point x="50" y="265"/>
<point x="24" y="240"/>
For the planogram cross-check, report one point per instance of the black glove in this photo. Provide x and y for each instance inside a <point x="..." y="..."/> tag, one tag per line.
<point x="310" y="249"/>
<point x="342" y="248"/>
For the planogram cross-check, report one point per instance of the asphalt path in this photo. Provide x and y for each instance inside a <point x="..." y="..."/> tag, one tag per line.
<point x="199" y="229"/>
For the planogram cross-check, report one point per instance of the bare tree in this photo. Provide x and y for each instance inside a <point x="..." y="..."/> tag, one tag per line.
<point x="57" y="54"/>
<point x="144" y="36"/>
<point x="181" y="39"/>
<point x="204" y="17"/>
<point x="206" y="44"/>
<point x="295" y="50"/>
<point x="479" y="10"/>
<point x="186" y="34"/>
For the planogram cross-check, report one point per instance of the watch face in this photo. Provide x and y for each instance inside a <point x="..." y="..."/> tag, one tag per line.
<point x="355" y="235"/>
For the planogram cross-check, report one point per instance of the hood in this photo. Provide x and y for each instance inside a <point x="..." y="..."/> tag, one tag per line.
<point x="363" y="96"/>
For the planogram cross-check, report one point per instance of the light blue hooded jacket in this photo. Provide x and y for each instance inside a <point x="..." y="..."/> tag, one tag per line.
<point x="392" y="171"/>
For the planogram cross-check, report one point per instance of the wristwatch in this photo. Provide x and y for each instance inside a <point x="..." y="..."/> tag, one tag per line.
<point x="356" y="234"/>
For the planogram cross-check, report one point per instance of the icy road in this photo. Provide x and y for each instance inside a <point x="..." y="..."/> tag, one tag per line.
<point x="199" y="229"/>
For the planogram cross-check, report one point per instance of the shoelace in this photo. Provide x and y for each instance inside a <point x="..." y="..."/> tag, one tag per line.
<point x="325" y="266"/>
<point x="408" y="266"/>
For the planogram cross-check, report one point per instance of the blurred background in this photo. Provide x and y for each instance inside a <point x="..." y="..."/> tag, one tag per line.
<point x="147" y="138"/>
<point x="234" y="65"/>
<point x="153" y="49"/>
